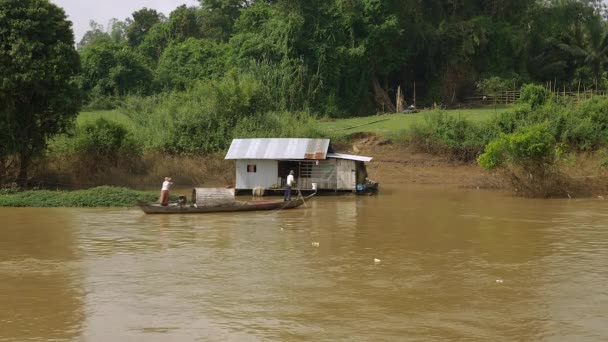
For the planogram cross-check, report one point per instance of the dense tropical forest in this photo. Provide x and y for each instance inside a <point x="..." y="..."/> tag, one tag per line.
<point x="191" y="80"/>
<point x="348" y="57"/>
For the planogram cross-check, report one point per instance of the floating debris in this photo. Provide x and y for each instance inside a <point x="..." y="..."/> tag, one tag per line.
<point x="499" y="281"/>
<point x="315" y="244"/>
<point x="377" y="260"/>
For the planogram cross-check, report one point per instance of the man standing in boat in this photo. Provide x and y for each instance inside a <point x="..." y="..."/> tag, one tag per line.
<point x="288" y="185"/>
<point x="164" y="192"/>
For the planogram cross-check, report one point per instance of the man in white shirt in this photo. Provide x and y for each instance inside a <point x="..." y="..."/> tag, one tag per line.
<point x="289" y="183"/>
<point x="164" y="192"/>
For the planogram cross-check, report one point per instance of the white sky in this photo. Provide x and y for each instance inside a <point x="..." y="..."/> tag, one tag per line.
<point x="80" y="12"/>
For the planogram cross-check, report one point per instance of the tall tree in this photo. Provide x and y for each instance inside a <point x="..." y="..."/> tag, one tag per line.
<point x="218" y="17"/>
<point x="143" y="21"/>
<point x="38" y="63"/>
<point x="112" y="69"/>
<point x="183" y="23"/>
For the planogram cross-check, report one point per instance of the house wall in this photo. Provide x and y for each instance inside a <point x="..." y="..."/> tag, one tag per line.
<point x="329" y="174"/>
<point x="346" y="174"/>
<point x="266" y="174"/>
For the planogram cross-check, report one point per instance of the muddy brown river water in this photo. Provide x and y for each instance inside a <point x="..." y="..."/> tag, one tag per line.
<point x="451" y="264"/>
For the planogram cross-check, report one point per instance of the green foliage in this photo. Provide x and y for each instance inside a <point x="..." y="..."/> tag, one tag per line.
<point x="95" y="33"/>
<point x="351" y="56"/>
<point x="207" y="116"/>
<point x="200" y="119"/>
<point x="112" y="69"/>
<point x="185" y="63"/>
<point x="143" y="21"/>
<point x="531" y="147"/>
<point x="104" y="139"/>
<point x="184" y="23"/>
<point x="454" y="136"/>
<point x="103" y="196"/>
<point x="38" y="63"/>
<point x="155" y="42"/>
<point x="508" y="121"/>
<point x="96" y="145"/>
<point x="534" y="95"/>
<point x="585" y="127"/>
<point x="278" y="125"/>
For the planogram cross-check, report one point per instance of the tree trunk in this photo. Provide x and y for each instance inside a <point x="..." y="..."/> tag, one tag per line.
<point x="25" y="160"/>
<point x="2" y="171"/>
<point x="381" y="96"/>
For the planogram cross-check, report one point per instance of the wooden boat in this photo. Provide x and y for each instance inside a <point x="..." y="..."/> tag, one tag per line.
<point x="174" y="208"/>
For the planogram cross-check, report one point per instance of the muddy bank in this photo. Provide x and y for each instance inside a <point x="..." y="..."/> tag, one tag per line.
<point x="145" y="173"/>
<point x="401" y="165"/>
<point x="392" y="164"/>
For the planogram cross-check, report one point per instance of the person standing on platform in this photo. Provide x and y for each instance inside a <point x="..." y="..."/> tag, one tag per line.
<point x="290" y="182"/>
<point x="164" y="192"/>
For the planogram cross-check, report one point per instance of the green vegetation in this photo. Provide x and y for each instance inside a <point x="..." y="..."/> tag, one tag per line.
<point x="206" y="117"/>
<point x="186" y="83"/>
<point x="526" y="143"/>
<point x="391" y="124"/>
<point x="103" y="196"/>
<point x="38" y="94"/>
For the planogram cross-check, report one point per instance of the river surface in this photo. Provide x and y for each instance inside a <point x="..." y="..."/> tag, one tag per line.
<point x="416" y="263"/>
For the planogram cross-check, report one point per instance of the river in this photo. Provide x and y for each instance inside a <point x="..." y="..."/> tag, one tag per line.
<point x="416" y="263"/>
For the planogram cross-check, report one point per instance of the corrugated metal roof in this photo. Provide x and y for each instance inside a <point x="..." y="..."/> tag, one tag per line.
<point x="278" y="148"/>
<point x="349" y="157"/>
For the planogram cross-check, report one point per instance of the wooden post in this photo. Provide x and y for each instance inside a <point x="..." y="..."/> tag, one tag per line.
<point x="414" y="93"/>
<point x="399" y="106"/>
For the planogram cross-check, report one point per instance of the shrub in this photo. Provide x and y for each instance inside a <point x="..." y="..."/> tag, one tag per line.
<point x="508" y="121"/>
<point x="205" y="118"/>
<point x="455" y="136"/>
<point x="101" y="144"/>
<point x="534" y="95"/>
<point x="528" y="158"/>
<point x="585" y="127"/>
<point x="532" y="148"/>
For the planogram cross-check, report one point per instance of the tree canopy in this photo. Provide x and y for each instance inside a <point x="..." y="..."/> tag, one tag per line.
<point x="38" y="94"/>
<point x="355" y="53"/>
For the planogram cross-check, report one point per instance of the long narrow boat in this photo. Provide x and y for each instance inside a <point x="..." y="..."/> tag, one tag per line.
<point x="156" y="208"/>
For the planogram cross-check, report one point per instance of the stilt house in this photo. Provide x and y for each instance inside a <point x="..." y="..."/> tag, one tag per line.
<point x="266" y="163"/>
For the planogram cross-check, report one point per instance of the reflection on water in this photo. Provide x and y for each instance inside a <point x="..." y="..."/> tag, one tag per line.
<point x="454" y="264"/>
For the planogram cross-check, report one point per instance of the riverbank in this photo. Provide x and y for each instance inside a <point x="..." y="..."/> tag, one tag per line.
<point x="403" y="164"/>
<point x="102" y="196"/>
<point x="393" y="165"/>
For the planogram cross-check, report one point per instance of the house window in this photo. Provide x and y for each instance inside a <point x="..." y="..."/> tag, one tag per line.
<point x="251" y="168"/>
<point x="306" y="169"/>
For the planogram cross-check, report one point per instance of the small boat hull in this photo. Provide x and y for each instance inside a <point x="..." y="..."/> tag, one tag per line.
<point x="155" y="208"/>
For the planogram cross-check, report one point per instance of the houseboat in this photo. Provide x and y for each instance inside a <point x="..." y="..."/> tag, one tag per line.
<point x="265" y="163"/>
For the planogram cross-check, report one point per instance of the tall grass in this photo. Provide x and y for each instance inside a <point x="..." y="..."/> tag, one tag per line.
<point x="205" y="118"/>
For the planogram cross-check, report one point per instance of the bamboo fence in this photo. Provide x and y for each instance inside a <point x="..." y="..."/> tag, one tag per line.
<point x="511" y="96"/>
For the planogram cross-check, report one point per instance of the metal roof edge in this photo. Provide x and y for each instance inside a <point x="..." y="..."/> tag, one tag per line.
<point x="349" y="157"/>
<point x="278" y="148"/>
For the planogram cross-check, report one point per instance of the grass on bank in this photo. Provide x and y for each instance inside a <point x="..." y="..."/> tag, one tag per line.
<point x="389" y="124"/>
<point x="385" y="123"/>
<point x="103" y="196"/>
